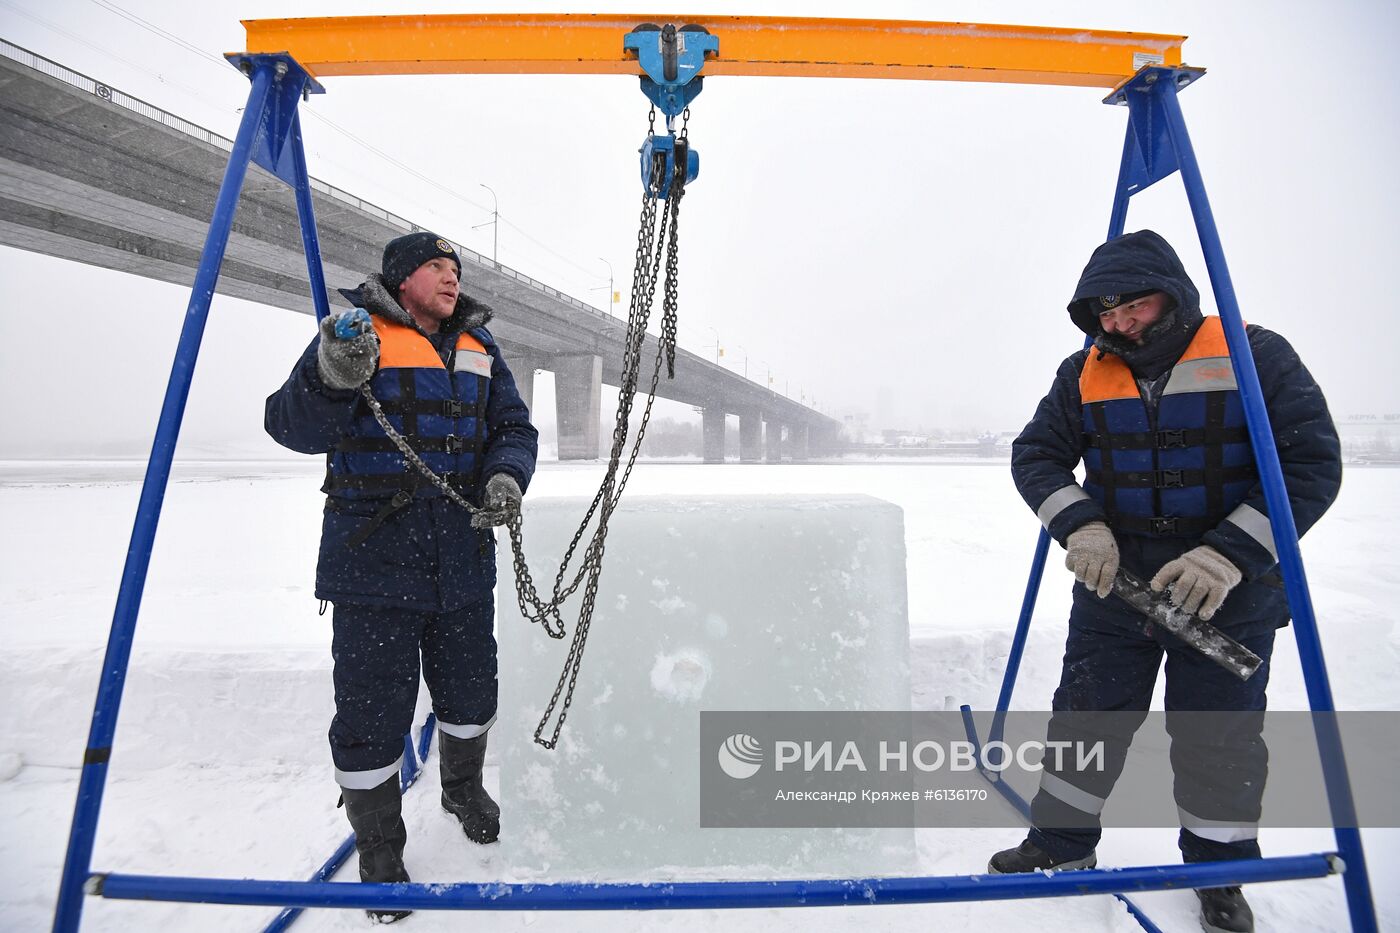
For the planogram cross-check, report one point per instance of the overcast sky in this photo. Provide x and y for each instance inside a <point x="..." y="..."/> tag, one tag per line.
<point x="900" y="248"/>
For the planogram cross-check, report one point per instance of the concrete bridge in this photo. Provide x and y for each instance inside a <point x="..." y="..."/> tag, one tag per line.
<point x="91" y="174"/>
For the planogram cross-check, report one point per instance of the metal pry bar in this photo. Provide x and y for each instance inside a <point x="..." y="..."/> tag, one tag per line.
<point x="1202" y="636"/>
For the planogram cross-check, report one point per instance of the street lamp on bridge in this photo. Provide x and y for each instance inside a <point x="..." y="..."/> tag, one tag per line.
<point x="612" y="295"/>
<point x="495" y="222"/>
<point x="768" y="370"/>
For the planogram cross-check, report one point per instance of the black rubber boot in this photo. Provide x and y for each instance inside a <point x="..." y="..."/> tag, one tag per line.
<point x="1224" y="910"/>
<point x="462" y="794"/>
<point x="377" y="818"/>
<point x="1030" y="857"/>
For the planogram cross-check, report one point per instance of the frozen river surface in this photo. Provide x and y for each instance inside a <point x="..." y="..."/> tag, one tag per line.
<point x="220" y="766"/>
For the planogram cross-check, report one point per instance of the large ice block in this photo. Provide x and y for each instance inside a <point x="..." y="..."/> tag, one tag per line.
<point x="705" y="603"/>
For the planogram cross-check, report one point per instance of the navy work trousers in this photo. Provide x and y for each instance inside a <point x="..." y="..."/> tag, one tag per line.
<point x="376" y="651"/>
<point x="1110" y="664"/>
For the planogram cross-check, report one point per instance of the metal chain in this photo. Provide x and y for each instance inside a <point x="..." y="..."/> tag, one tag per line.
<point x="647" y="266"/>
<point x="610" y="492"/>
<point x="643" y="290"/>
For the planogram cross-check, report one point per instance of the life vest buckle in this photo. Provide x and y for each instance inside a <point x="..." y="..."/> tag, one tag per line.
<point x="453" y="408"/>
<point x="1164" y="525"/>
<point x="454" y="444"/>
<point x="1170" y="439"/>
<point x="1169" y="479"/>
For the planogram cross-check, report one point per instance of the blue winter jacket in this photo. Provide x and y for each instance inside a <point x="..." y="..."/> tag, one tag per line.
<point x="424" y="555"/>
<point x="1054" y="443"/>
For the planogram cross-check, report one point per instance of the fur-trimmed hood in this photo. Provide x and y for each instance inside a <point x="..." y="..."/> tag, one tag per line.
<point x="1137" y="262"/>
<point x="1133" y="262"/>
<point x="375" y="298"/>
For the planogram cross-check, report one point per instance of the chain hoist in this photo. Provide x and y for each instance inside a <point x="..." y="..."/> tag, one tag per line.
<point x="645" y="277"/>
<point x="667" y="165"/>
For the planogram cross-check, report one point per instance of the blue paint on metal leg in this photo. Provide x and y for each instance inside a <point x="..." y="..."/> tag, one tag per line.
<point x="1137" y="914"/>
<point x="425" y="737"/>
<point x="1122" y="191"/>
<point x="1334" y="769"/>
<point x="310" y="239"/>
<point x="408" y="770"/>
<point x="77" y="862"/>
<point x="289" y="915"/>
<point x="1023" y="626"/>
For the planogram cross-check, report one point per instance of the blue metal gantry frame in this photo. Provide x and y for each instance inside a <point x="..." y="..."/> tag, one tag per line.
<point x="270" y="135"/>
<point x="1156" y="146"/>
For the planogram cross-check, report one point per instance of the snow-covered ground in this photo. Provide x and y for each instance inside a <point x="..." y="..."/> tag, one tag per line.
<point x="220" y="766"/>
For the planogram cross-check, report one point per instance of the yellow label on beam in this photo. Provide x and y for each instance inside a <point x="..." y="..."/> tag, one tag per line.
<point x="581" y="43"/>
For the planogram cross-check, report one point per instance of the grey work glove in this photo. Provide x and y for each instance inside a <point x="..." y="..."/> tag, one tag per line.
<point x="1200" y="580"/>
<point x="1092" y="554"/>
<point x="499" y="502"/>
<point x="349" y="350"/>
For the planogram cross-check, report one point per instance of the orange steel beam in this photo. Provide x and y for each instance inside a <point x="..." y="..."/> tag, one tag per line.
<point x="583" y="43"/>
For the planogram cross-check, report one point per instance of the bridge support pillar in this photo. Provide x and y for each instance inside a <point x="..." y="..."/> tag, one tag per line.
<point x="773" y="441"/>
<point x="523" y="368"/>
<point x="712" y="435"/>
<point x="797" y="442"/>
<point x="750" y="437"/>
<point x="578" y="394"/>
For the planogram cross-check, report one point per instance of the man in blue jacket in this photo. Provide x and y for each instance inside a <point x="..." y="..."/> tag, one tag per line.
<point x="1170" y="492"/>
<point x="410" y="571"/>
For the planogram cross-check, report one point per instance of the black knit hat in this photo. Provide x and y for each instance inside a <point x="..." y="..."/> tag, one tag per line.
<point x="405" y="254"/>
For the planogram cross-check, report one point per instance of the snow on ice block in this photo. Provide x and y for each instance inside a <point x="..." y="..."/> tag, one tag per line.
<point x="705" y="603"/>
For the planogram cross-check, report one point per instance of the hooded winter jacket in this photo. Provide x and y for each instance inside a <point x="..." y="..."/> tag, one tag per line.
<point x="388" y="536"/>
<point x="1174" y="451"/>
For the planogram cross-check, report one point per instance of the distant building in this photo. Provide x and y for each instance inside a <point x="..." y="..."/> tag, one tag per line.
<point x="897" y="437"/>
<point x="1370" y="438"/>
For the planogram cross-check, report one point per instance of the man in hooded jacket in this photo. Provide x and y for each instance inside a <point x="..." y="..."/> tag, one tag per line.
<point x="410" y="572"/>
<point x="1171" y="493"/>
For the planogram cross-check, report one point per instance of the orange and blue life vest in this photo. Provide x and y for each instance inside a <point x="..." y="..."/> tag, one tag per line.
<point x="439" y="408"/>
<point x="1177" y="475"/>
